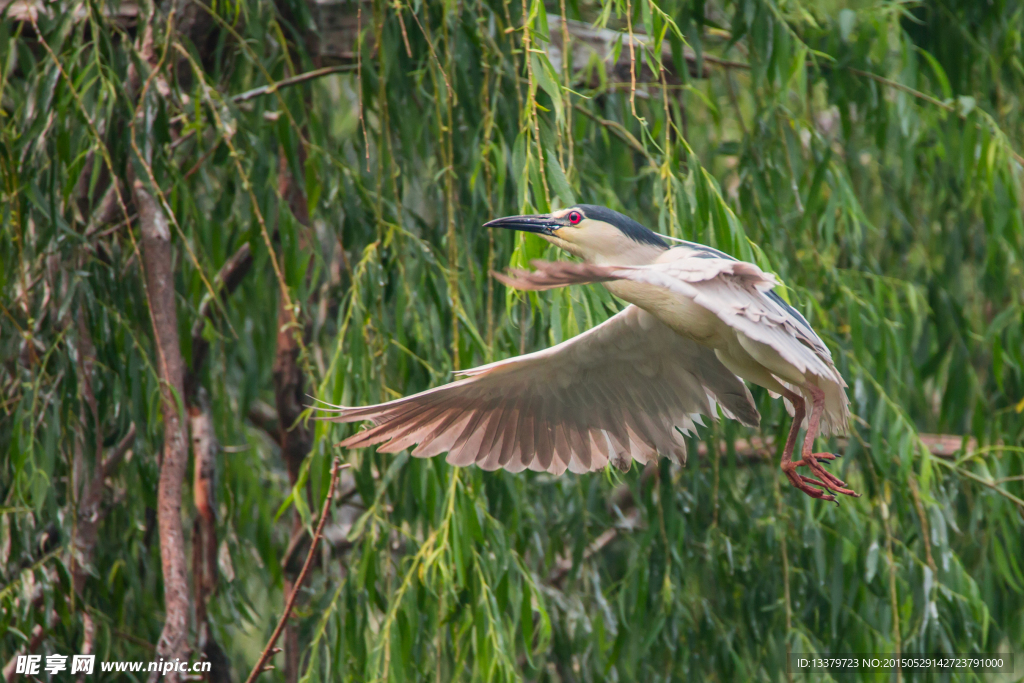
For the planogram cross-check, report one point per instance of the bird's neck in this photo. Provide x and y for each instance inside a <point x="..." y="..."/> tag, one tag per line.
<point x="633" y="254"/>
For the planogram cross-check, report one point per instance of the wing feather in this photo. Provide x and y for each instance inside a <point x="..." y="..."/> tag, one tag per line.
<point x="415" y="431"/>
<point x="580" y="441"/>
<point x="562" y="452"/>
<point x="490" y="446"/>
<point x="471" y="434"/>
<point x="543" y="440"/>
<point x="444" y="435"/>
<point x="610" y="394"/>
<point x="502" y="429"/>
<point x="510" y="436"/>
<point x="525" y="449"/>
<point x="598" y="448"/>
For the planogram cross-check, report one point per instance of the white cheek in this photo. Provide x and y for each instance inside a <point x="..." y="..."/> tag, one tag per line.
<point x="603" y="240"/>
<point x="570" y="247"/>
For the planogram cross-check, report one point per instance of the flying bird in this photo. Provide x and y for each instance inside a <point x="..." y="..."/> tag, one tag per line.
<point x="698" y="321"/>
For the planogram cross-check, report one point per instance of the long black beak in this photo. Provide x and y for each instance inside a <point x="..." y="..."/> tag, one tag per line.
<point x="542" y="224"/>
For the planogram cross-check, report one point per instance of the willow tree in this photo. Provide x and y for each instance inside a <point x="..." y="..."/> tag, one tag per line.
<point x="210" y="212"/>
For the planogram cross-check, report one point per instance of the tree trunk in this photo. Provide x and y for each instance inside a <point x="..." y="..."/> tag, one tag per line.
<point x="157" y="258"/>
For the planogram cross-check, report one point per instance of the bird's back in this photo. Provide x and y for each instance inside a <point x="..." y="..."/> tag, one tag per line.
<point x="701" y="251"/>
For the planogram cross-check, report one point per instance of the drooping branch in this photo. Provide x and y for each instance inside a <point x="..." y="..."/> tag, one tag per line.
<point x="295" y="439"/>
<point x="10" y="670"/>
<point x="158" y="259"/>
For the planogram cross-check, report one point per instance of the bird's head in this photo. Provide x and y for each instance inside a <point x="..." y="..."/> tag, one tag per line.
<point x="594" y="233"/>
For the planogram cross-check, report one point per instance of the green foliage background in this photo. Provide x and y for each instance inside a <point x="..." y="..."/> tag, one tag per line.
<point x="867" y="153"/>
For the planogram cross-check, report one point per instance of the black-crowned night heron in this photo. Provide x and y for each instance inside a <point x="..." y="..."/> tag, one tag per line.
<point x="630" y="387"/>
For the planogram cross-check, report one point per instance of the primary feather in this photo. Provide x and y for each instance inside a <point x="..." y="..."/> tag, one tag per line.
<point x="620" y="391"/>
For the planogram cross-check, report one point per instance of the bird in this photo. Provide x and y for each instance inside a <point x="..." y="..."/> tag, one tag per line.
<point x="697" y="323"/>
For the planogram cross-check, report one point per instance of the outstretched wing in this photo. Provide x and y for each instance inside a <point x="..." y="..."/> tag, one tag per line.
<point x="614" y="393"/>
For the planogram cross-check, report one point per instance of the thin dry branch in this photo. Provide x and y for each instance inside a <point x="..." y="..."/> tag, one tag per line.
<point x="564" y="564"/>
<point x="264" y="416"/>
<point x="286" y="82"/>
<point x="617" y="129"/>
<point x="261" y="663"/>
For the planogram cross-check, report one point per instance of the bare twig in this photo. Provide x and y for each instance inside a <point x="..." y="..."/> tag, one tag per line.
<point x="564" y="564"/>
<point x="617" y="128"/>
<point x="286" y="82"/>
<point x="270" y="649"/>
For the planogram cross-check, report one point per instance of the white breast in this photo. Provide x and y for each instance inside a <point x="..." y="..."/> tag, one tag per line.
<point x="680" y="313"/>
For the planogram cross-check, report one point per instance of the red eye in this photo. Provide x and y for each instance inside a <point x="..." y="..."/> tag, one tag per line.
<point x="575" y="217"/>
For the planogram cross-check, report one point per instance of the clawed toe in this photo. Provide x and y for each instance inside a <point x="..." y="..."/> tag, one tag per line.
<point x="808" y="484"/>
<point x="816" y="488"/>
<point x="833" y="482"/>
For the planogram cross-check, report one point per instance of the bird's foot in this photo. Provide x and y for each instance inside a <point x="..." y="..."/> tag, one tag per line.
<point x="807" y="484"/>
<point x="830" y="481"/>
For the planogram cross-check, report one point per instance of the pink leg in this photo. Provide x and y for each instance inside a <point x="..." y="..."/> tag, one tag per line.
<point x="810" y="458"/>
<point x="805" y="484"/>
